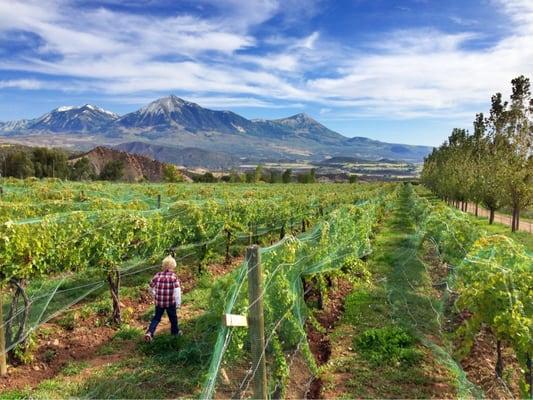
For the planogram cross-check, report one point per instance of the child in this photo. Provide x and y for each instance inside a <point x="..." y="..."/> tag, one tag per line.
<point x="165" y="287"/>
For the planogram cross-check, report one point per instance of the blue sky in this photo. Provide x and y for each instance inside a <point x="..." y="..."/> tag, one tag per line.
<point x="402" y="71"/>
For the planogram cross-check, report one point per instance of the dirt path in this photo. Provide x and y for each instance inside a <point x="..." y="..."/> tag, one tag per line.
<point x="524" y="226"/>
<point x="89" y="343"/>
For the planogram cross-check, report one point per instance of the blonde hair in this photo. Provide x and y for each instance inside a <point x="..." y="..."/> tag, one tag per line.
<point x="168" y="263"/>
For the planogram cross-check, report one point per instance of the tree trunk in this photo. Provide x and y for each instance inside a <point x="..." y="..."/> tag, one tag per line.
<point x="477" y="210"/>
<point x="491" y="216"/>
<point x="10" y="336"/>
<point x="113" y="278"/>
<point x="516" y="219"/>
<point x="3" y="360"/>
<point x="529" y="375"/>
<point x="499" y="360"/>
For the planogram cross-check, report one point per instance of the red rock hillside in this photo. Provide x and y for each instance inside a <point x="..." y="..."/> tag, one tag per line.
<point x="136" y="167"/>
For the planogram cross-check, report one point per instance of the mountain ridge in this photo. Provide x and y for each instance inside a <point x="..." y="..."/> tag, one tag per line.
<point x="172" y="121"/>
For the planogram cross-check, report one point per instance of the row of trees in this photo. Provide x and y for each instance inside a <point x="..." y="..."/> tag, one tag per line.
<point x="260" y="175"/>
<point x="493" y="165"/>
<point x="53" y="163"/>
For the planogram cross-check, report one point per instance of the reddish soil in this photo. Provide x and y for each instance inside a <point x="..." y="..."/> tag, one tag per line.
<point x="318" y="341"/>
<point x="480" y="365"/>
<point x="82" y="344"/>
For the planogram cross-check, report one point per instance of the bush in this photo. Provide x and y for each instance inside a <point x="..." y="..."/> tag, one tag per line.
<point x="389" y="344"/>
<point x="24" y="352"/>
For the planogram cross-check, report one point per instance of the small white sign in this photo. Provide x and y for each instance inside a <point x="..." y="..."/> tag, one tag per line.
<point x="234" y="320"/>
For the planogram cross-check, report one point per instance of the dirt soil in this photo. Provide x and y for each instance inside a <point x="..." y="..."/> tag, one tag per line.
<point x="480" y="365"/>
<point x="57" y="347"/>
<point x="319" y="342"/>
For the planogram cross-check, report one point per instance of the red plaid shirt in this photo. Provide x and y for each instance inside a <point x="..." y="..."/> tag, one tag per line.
<point x="164" y="283"/>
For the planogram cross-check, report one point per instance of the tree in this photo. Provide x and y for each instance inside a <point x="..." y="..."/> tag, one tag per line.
<point x="113" y="171"/>
<point x="19" y="165"/>
<point x="287" y="176"/>
<point x="312" y="175"/>
<point x="353" y="178"/>
<point x="172" y="174"/>
<point x="235" y="177"/>
<point x="207" y="177"/>
<point x="50" y="163"/>
<point x="518" y="178"/>
<point x="258" y="174"/>
<point x="275" y="176"/>
<point x="82" y="170"/>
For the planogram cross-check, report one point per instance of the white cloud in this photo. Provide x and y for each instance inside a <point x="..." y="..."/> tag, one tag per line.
<point x="404" y="73"/>
<point x="27" y="84"/>
<point x="428" y="73"/>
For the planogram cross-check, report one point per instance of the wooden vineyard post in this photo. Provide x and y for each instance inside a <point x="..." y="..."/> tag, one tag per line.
<point x="158" y="201"/>
<point x="256" y="322"/>
<point x="3" y="361"/>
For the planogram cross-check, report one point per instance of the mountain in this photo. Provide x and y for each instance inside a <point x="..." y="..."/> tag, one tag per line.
<point x="136" y="167"/>
<point x="189" y="132"/>
<point x="86" y="118"/>
<point x="173" y="112"/>
<point x="302" y="125"/>
<point x="188" y="157"/>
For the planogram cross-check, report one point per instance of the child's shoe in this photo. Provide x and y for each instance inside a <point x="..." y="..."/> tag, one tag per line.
<point x="148" y="337"/>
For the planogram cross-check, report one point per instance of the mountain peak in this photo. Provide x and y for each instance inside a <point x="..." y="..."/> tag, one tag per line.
<point x="299" y="120"/>
<point x="166" y="105"/>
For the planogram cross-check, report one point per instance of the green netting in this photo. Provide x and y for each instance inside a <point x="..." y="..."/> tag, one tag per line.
<point x="491" y="276"/>
<point x="345" y="232"/>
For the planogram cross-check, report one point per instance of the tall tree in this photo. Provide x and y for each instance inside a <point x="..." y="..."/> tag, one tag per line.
<point x="518" y="179"/>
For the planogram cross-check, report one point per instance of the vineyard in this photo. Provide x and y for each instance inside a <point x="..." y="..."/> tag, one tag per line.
<point x="368" y="290"/>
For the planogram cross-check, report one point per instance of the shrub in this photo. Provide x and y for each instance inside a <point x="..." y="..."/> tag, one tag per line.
<point x="389" y="344"/>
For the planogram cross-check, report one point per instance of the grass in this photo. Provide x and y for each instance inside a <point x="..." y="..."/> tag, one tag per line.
<point x="400" y="299"/>
<point x="169" y="367"/>
<point x="74" y="368"/>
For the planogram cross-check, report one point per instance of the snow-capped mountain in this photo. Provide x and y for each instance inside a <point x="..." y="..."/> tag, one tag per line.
<point x="172" y="111"/>
<point x="171" y="121"/>
<point x="14" y="125"/>
<point x="86" y="118"/>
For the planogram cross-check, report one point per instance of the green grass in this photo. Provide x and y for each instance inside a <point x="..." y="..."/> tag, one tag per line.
<point x="74" y="368"/>
<point x="401" y="298"/>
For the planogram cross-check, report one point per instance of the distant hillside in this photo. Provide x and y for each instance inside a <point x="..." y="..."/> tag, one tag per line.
<point x="179" y="124"/>
<point x="188" y="157"/>
<point x="136" y="167"/>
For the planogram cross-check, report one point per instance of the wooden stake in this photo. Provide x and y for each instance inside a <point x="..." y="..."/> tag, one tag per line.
<point x="256" y="322"/>
<point x="158" y="201"/>
<point x="3" y="361"/>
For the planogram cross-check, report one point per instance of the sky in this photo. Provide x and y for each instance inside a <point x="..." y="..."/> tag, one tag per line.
<point x="399" y="71"/>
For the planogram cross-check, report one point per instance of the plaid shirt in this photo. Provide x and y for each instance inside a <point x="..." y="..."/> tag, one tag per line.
<point x="164" y="283"/>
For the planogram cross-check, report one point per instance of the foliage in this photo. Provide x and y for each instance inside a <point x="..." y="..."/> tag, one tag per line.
<point x="112" y="171"/>
<point x="493" y="276"/>
<point x="172" y="174"/>
<point x="388" y="344"/>
<point x="493" y="165"/>
<point x="82" y="170"/>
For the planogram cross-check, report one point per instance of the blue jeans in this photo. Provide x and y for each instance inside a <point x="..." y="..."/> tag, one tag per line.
<point x="172" y="316"/>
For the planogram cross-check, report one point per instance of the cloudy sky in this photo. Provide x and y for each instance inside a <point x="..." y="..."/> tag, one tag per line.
<point x="403" y="71"/>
